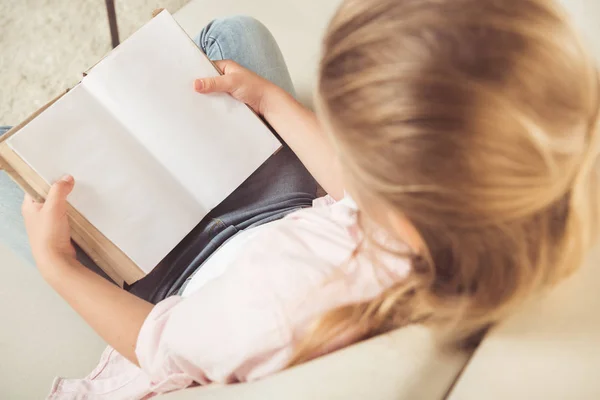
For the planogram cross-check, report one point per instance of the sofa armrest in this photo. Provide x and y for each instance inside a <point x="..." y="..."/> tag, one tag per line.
<point x="404" y="364"/>
<point x="549" y="350"/>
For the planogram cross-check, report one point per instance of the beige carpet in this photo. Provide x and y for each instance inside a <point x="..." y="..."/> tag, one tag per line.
<point x="45" y="45"/>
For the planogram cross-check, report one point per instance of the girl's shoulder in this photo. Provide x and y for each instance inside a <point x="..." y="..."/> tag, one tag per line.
<point x="289" y="274"/>
<point x="326" y="241"/>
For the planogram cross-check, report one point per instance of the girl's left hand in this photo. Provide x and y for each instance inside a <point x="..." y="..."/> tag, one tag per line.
<point x="48" y="226"/>
<point x="241" y="83"/>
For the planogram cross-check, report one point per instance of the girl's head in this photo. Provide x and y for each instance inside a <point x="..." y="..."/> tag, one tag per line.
<point x="475" y="122"/>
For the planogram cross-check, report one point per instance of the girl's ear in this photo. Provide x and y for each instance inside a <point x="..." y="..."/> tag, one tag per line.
<point x="405" y="231"/>
<point x="393" y="221"/>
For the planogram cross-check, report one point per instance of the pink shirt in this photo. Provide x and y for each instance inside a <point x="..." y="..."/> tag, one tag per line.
<point x="243" y="324"/>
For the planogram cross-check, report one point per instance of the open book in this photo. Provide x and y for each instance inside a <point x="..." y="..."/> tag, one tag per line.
<point x="150" y="157"/>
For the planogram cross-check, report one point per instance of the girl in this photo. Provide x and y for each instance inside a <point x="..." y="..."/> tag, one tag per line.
<point x="458" y="142"/>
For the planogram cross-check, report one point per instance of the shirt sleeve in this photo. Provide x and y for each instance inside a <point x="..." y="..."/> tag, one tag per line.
<point x="243" y="324"/>
<point x="229" y="331"/>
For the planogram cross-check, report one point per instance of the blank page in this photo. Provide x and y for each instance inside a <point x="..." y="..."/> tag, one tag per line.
<point x="209" y="143"/>
<point x="120" y="188"/>
<point x="150" y="156"/>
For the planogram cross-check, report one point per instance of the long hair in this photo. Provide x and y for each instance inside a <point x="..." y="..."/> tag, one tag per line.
<point x="477" y="121"/>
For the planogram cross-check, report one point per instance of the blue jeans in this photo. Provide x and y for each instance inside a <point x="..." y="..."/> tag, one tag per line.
<point x="281" y="185"/>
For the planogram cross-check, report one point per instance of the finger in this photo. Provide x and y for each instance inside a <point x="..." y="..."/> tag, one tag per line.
<point x="30" y="205"/>
<point x="28" y="198"/>
<point x="57" y="197"/>
<point x="156" y="12"/>
<point x="215" y="84"/>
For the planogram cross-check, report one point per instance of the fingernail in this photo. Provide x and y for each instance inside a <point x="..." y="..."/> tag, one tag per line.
<point x="67" y="178"/>
<point x="198" y="84"/>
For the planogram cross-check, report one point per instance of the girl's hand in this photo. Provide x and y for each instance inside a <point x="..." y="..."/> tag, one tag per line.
<point x="48" y="226"/>
<point x="243" y="84"/>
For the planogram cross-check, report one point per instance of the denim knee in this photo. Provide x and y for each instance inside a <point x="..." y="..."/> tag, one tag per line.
<point x="248" y="42"/>
<point x="241" y="25"/>
<point x="238" y="28"/>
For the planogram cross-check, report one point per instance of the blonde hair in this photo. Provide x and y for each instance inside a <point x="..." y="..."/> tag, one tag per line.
<point x="476" y="120"/>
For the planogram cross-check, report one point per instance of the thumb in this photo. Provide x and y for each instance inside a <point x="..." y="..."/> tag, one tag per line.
<point x="57" y="196"/>
<point x="223" y="83"/>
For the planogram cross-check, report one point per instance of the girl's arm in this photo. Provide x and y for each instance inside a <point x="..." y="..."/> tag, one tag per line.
<point x="295" y="124"/>
<point x="300" y="129"/>
<point x="116" y="315"/>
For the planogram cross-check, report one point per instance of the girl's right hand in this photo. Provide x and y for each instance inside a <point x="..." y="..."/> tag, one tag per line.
<point x="47" y="226"/>
<point x="243" y="84"/>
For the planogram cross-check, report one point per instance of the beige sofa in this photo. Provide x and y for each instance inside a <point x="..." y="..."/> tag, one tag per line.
<point x="549" y="350"/>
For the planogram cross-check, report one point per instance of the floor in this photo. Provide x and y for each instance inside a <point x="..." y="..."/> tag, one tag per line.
<point x="45" y="45"/>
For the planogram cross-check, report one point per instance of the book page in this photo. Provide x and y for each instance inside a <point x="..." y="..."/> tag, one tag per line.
<point x="150" y="156"/>
<point x="120" y="188"/>
<point x="209" y="143"/>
